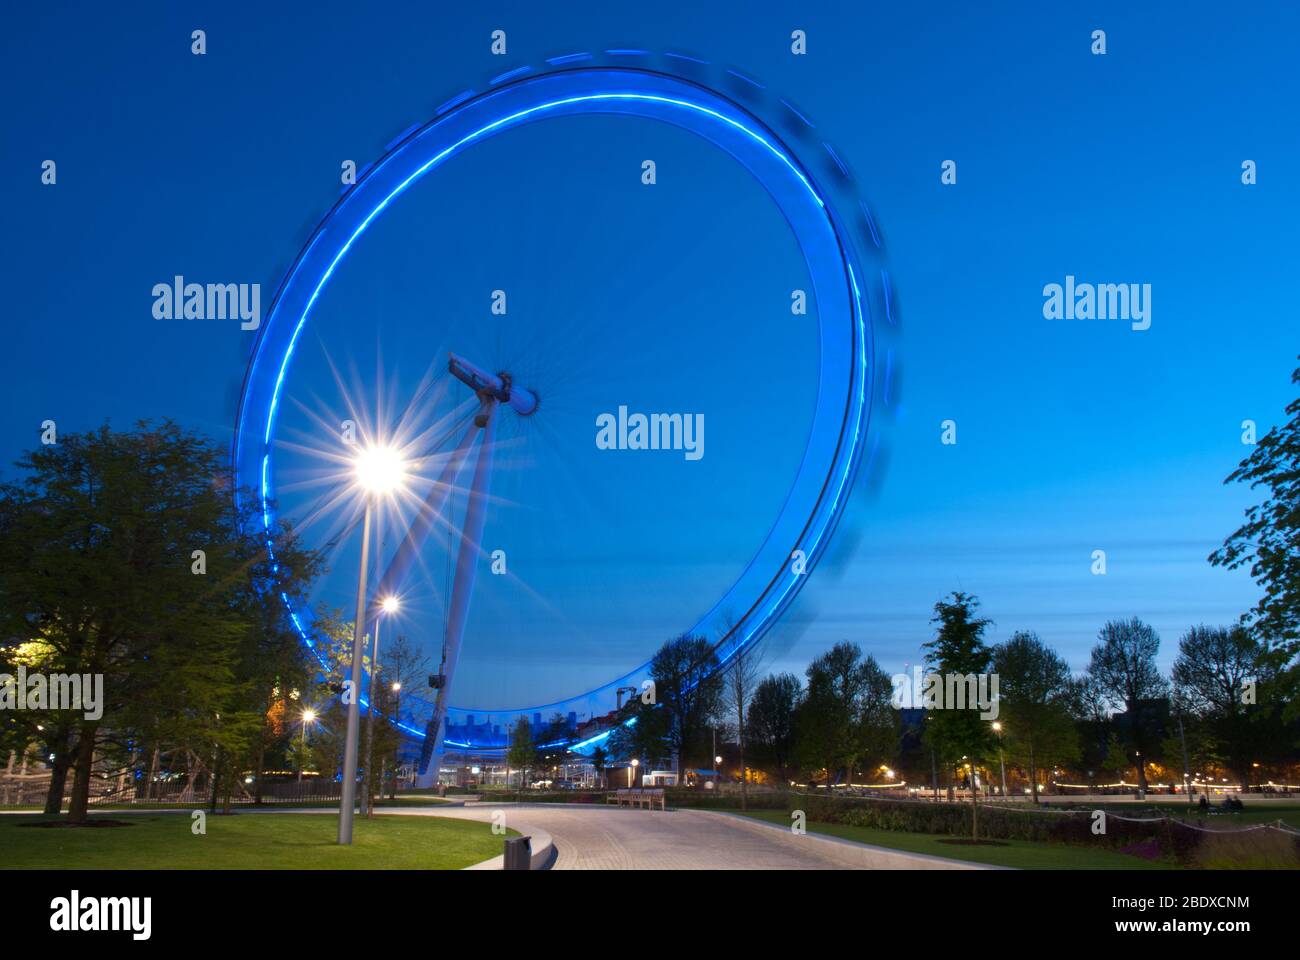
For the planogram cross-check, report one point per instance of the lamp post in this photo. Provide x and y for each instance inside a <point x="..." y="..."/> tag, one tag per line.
<point x="397" y="719"/>
<point x="389" y="605"/>
<point x="308" y="716"/>
<point x="997" y="728"/>
<point x="379" y="470"/>
<point x="635" y="763"/>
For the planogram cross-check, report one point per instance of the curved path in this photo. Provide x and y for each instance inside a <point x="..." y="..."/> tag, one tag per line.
<point x="613" y="838"/>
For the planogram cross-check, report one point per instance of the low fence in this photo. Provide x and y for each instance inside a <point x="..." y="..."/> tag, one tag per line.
<point x="33" y="790"/>
<point x="1152" y="837"/>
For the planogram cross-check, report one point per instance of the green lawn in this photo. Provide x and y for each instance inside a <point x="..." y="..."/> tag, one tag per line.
<point x="1017" y="853"/>
<point x="257" y="841"/>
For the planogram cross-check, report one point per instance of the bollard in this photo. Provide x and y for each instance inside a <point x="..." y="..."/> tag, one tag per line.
<point x="519" y="853"/>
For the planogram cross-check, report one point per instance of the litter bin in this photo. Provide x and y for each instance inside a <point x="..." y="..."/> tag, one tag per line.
<point x="519" y="853"/>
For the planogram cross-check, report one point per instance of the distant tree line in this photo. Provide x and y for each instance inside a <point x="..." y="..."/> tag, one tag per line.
<point x="1228" y="709"/>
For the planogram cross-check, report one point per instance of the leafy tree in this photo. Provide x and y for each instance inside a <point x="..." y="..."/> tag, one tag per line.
<point x="599" y="761"/>
<point x="1211" y="677"/>
<point x="846" y="719"/>
<point x="958" y="648"/>
<point x="549" y="743"/>
<point x="772" y="721"/>
<point x="1034" y="690"/>
<point x="688" y="687"/>
<point x="521" y="755"/>
<point x="98" y="561"/>
<point x="1269" y="540"/>
<point x="643" y="735"/>
<point x="1123" y="666"/>
<point x="1117" y="759"/>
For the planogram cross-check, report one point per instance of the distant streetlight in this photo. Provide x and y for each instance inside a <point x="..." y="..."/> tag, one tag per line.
<point x="389" y="605"/>
<point x="308" y="716"/>
<point x="997" y="728"/>
<point x="634" y="764"/>
<point x="379" y="470"/>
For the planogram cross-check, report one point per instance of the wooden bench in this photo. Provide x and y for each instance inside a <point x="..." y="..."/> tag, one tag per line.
<point x="638" y="796"/>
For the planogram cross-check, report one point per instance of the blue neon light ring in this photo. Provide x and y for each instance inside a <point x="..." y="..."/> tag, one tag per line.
<point x="845" y="383"/>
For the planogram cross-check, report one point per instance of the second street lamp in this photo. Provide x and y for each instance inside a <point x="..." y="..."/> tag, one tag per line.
<point x="997" y="728"/>
<point x="389" y="606"/>
<point x="308" y="716"/>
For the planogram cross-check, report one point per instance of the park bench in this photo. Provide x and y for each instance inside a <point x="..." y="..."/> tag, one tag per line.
<point x="638" y="796"/>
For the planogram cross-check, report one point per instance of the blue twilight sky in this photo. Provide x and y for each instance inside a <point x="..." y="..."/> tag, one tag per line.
<point x="1072" y="436"/>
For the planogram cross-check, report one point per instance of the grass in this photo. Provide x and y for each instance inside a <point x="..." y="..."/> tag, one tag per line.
<point x="1016" y="853"/>
<point x="253" y="841"/>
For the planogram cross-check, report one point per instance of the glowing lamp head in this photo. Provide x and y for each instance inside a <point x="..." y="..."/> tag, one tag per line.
<point x="308" y="716"/>
<point x="380" y="469"/>
<point x="390" y="604"/>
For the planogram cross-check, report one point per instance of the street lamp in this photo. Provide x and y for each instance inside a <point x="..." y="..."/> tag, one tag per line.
<point x="997" y="728"/>
<point x="388" y="605"/>
<point x="635" y="763"/>
<point x="379" y="470"/>
<point x="308" y="716"/>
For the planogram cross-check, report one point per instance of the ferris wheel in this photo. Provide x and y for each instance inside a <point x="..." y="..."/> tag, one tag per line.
<point x="554" y="286"/>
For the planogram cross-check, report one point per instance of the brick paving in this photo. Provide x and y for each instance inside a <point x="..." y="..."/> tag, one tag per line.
<point x="612" y="838"/>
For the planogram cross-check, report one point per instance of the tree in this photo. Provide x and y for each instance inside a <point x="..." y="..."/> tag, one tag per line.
<point x="846" y="719"/>
<point x="521" y="755"/>
<point x="1269" y="540"/>
<point x="1123" y="666"/>
<point x="772" y="721"/>
<point x="740" y="681"/>
<point x="1033" y="691"/>
<point x="688" y="687"/>
<point x="643" y="735"/>
<point x="599" y="761"/>
<point x="1215" y="665"/>
<point x="1116" y="760"/>
<point x="403" y="664"/>
<point x="958" y="649"/>
<point x="550" y="744"/>
<point x="99" y="561"/>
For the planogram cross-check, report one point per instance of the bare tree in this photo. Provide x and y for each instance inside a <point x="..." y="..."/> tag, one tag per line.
<point x="742" y="677"/>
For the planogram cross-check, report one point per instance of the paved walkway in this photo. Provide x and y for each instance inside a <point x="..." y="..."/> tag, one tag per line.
<point x="613" y="838"/>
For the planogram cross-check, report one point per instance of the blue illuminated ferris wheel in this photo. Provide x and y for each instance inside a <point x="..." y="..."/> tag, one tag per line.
<point x="499" y="430"/>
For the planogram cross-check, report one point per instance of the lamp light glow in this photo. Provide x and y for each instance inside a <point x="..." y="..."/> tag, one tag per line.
<point x="380" y="469"/>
